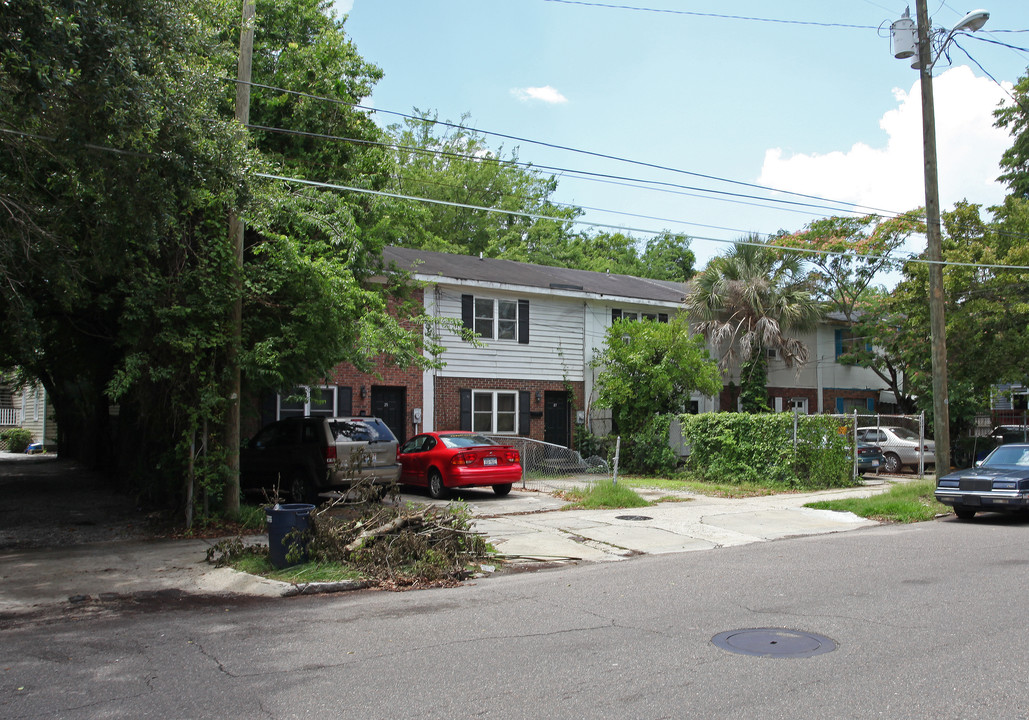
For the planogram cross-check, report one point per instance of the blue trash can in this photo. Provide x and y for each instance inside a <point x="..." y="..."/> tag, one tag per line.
<point x="281" y="520"/>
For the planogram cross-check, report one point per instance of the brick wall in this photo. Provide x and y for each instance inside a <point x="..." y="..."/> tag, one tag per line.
<point x="448" y="402"/>
<point x="787" y="394"/>
<point x="829" y="396"/>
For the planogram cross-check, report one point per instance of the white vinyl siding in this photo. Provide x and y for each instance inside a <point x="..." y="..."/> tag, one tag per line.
<point x="555" y="347"/>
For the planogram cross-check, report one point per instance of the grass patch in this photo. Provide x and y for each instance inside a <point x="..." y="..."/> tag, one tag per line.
<point x="304" y="573"/>
<point x="685" y="483"/>
<point x="902" y="503"/>
<point x="604" y="494"/>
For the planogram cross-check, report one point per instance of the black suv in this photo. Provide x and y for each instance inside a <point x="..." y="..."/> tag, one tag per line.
<point x="300" y="457"/>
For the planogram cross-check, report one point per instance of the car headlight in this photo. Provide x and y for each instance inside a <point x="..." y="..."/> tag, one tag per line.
<point x="1004" y="485"/>
<point x="949" y="483"/>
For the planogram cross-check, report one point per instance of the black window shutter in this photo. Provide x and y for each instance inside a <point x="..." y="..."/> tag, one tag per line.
<point x="523" y="412"/>
<point x="345" y="400"/>
<point x="662" y="317"/>
<point x="523" y="322"/>
<point x="466" y="408"/>
<point x="468" y="312"/>
<point x="616" y="314"/>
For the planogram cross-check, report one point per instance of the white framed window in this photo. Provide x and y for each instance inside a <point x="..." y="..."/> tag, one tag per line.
<point x="318" y="401"/>
<point x="495" y="411"/>
<point x="496" y="319"/>
<point x="772" y="353"/>
<point x="798" y="405"/>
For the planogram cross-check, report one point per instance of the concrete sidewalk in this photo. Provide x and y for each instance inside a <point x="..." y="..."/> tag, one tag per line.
<point x="525" y="526"/>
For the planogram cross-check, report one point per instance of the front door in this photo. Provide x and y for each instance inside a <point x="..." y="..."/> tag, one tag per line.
<point x="388" y="404"/>
<point x="556" y="423"/>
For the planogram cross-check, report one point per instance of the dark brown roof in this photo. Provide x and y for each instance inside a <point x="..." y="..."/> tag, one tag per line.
<point x="509" y="272"/>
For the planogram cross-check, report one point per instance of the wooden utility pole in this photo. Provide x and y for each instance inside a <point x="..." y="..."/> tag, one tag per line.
<point x="934" y="246"/>
<point x="243" y="73"/>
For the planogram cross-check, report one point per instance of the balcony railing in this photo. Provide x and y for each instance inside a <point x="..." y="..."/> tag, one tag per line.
<point x="9" y="417"/>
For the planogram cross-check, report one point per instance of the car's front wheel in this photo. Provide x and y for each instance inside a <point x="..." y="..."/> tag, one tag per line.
<point x="437" y="490"/>
<point x="964" y="513"/>
<point x="891" y="462"/>
<point x="502" y="490"/>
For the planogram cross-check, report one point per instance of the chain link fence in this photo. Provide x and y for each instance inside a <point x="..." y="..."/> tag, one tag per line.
<point x="550" y="467"/>
<point x="902" y="438"/>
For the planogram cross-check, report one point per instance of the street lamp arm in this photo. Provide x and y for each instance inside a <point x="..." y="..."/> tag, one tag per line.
<point x="969" y="23"/>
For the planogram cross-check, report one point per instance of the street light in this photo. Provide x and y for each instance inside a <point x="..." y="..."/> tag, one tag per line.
<point x="903" y="40"/>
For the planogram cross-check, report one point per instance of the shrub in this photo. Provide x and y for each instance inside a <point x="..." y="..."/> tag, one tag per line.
<point x="733" y="448"/>
<point x="647" y="451"/>
<point x="18" y="439"/>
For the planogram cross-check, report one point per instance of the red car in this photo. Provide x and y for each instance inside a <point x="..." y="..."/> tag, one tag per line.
<point x="444" y="460"/>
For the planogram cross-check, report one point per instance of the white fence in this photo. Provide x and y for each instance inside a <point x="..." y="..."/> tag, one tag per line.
<point x="9" y="417"/>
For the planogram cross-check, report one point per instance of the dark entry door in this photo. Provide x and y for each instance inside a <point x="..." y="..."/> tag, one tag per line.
<point x="389" y="404"/>
<point x="556" y="423"/>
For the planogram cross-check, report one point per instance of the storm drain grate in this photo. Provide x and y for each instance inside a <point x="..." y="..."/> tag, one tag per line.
<point x="774" y="643"/>
<point x="633" y="517"/>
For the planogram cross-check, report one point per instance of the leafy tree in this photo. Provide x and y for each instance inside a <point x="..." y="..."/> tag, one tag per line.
<point x="750" y="299"/>
<point x="849" y="253"/>
<point x="114" y="167"/>
<point x="118" y="174"/>
<point x="891" y="338"/>
<point x="651" y="368"/>
<point x="668" y="257"/>
<point x="454" y="168"/>
<point x="1015" y="160"/>
<point x="987" y="317"/>
<point x="453" y="165"/>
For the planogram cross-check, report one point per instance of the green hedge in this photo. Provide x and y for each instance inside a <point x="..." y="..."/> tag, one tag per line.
<point x="17" y="439"/>
<point x="732" y="448"/>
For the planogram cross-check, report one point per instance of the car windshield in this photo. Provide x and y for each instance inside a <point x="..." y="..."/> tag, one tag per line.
<point x="465" y="440"/>
<point x="1008" y="455"/>
<point x="905" y="434"/>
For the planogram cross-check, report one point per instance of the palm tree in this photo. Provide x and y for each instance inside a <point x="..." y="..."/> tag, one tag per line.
<point x="751" y="299"/>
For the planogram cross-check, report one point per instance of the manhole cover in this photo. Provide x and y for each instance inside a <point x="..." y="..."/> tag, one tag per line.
<point x="774" y="642"/>
<point x="633" y="517"/>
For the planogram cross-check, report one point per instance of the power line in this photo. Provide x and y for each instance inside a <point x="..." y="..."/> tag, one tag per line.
<point x="537" y="216"/>
<point x="711" y="15"/>
<point x="584" y="174"/>
<point x="555" y="146"/>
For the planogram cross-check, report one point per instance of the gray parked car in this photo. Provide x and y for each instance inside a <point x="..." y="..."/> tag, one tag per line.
<point x="301" y="457"/>
<point x="900" y="446"/>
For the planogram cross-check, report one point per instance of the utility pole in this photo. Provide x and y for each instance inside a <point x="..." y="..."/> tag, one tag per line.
<point x="934" y="246"/>
<point x="243" y="74"/>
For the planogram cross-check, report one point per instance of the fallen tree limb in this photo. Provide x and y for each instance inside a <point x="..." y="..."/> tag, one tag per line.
<point x="393" y="525"/>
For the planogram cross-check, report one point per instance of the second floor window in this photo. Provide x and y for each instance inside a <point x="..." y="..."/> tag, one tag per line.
<point x="496" y="319"/>
<point x="618" y="314"/>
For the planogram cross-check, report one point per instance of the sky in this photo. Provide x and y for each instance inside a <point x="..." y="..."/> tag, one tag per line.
<point x="806" y="98"/>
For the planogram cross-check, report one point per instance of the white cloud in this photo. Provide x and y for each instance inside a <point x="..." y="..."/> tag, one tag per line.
<point x="968" y="149"/>
<point x="545" y="94"/>
<point x="343" y="6"/>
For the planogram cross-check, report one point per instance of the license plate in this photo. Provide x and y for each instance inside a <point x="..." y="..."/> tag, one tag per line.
<point x="875" y="463"/>
<point x="489" y="461"/>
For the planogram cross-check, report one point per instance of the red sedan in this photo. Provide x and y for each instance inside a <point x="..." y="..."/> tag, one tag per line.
<point x="444" y="460"/>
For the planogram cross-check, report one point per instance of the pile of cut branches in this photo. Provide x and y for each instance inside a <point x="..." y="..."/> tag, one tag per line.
<point x="399" y="546"/>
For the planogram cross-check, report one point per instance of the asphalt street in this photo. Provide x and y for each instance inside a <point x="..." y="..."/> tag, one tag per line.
<point x="925" y="621"/>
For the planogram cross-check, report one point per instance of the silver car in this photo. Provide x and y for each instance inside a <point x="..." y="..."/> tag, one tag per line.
<point x="900" y="446"/>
